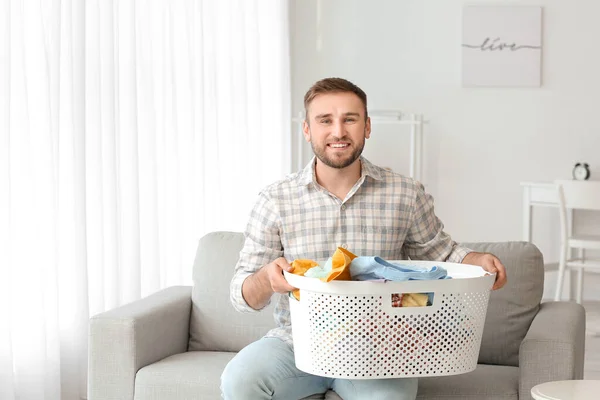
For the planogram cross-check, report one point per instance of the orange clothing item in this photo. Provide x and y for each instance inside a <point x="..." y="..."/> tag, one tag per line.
<point x="340" y="267"/>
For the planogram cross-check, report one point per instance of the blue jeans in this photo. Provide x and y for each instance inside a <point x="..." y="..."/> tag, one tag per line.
<point x="265" y="369"/>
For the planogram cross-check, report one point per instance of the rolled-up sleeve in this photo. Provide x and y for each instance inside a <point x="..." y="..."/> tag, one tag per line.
<point x="261" y="246"/>
<point x="426" y="239"/>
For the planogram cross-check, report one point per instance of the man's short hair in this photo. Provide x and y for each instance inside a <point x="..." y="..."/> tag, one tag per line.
<point x="333" y="85"/>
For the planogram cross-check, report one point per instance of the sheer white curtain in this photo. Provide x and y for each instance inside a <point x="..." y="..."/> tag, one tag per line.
<point x="128" y="129"/>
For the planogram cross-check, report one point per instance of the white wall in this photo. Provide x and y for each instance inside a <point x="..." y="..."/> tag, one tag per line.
<point x="480" y="143"/>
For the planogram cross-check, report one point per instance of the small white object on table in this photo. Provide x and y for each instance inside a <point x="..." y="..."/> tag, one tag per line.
<point x="567" y="390"/>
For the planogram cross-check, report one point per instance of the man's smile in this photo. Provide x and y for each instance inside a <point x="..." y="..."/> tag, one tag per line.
<point x="338" y="145"/>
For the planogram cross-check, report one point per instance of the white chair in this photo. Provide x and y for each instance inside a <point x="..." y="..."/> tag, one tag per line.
<point x="576" y="195"/>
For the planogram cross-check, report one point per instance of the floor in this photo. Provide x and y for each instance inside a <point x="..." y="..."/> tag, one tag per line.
<point x="592" y="340"/>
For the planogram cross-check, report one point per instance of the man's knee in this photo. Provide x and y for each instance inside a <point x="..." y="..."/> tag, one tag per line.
<point x="239" y="381"/>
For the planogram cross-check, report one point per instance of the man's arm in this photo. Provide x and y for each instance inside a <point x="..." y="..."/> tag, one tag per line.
<point x="258" y="288"/>
<point x="426" y="239"/>
<point x="259" y="271"/>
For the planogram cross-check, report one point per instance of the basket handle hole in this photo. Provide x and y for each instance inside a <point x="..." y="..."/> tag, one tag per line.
<point x="412" y="299"/>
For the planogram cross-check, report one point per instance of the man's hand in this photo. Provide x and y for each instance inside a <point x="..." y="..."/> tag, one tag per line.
<point x="490" y="263"/>
<point x="258" y="288"/>
<point x="274" y="274"/>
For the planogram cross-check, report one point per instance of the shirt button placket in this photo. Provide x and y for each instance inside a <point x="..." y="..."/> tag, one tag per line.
<point x="343" y="221"/>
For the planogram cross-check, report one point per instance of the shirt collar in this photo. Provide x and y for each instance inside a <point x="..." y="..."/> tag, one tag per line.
<point x="371" y="170"/>
<point x="307" y="176"/>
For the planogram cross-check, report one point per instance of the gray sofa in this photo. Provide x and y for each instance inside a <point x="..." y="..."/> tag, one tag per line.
<point x="174" y="344"/>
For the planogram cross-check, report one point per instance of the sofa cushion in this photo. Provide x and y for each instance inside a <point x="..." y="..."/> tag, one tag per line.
<point x="512" y="308"/>
<point x="197" y="375"/>
<point x="190" y="376"/>
<point x="214" y="324"/>
<point x="487" y="382"/>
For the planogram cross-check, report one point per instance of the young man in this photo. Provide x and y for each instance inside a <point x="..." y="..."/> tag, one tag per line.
<point x="338" y="199"/>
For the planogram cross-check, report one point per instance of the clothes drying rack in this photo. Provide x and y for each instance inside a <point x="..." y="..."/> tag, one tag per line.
<point x="396" y="117"/>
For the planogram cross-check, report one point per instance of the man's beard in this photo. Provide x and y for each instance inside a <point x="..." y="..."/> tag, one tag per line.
<point x="335" y="162"/>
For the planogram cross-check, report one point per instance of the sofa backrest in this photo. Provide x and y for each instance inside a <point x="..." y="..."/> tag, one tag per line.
<point x="512" y="308"/>
<point x="215" y="325"/>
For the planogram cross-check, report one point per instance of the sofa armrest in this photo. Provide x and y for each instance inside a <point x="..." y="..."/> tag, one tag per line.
<point x="554" y="346"/>
<point x="123" y="340"/>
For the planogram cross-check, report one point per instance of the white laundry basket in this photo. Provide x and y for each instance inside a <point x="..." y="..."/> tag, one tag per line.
<point x="349" y="329"/>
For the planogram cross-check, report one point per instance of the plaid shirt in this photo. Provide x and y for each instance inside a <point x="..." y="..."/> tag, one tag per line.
<point x="385" y="214"/>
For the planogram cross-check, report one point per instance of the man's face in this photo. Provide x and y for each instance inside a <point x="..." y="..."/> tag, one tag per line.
<point x="337" y="128"/>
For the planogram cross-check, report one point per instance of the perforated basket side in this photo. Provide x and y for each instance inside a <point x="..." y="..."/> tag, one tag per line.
<point x="360" y="336"/>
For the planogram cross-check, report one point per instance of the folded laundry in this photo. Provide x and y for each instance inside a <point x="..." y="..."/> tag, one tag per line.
<point x="336" y="268"/>
<point x="344" y="265"/>
<point x="370" y="268"/>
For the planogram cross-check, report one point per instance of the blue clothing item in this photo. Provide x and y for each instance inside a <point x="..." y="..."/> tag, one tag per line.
<point x="371" y="268"/>
<point x="320" y="271"/>
<point x="266" y="369"/>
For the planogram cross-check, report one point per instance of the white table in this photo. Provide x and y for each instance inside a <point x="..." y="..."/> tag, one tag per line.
<point x="567" y="390"/>
<point x="539" y="194"/>
<point x="536" y="194"/>
<point x="543" y="194"/>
